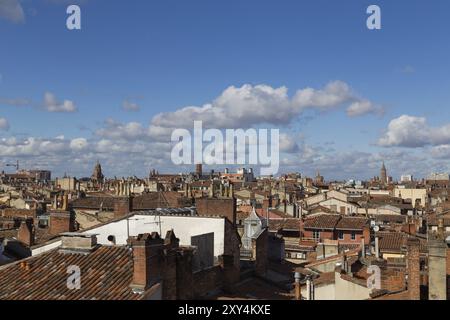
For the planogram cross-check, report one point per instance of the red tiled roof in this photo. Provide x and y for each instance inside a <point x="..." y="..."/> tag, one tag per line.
<point x="352" y="223"/>
<point x="391" y="241"/>
<point x="286" y="224"/>
<point x="323" y="221"/>
<point x="106" y="274"/>
<point x="107" y="203"/>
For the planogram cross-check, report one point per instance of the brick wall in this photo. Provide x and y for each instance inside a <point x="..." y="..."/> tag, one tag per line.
<point x="26" y="232"/>
<point x="224" y="207"/>
<point x="324" y="234"/>
<point x="122" y="206"/>
<point x="185" y="278"/>
<point x="207" y="281"/>
<point x="413" y="267"/>
<point x="169" y="291"/>
<point x="19" y="213"/>
<point x="393" y="280"/>
<point x="60" y="222"/>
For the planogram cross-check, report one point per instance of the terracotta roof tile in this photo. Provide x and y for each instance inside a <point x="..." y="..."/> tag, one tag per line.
<point x="105" y="275"/>
<point x="323" y="221"/>
<point x="352" y="223"/>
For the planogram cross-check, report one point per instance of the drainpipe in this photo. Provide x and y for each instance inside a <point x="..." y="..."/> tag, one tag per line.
<point x="298" y="288"/>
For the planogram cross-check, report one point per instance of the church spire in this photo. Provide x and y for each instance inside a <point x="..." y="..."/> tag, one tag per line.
<point x="383" y="174"/>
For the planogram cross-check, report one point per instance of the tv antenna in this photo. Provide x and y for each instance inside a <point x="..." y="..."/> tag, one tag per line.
<point x="15" y="165"/>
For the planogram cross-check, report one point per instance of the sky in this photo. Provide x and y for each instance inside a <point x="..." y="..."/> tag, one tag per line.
<point x="345" y="98"/>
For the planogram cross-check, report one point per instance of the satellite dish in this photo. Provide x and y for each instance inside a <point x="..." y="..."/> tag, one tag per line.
<point x="376" y="228"/>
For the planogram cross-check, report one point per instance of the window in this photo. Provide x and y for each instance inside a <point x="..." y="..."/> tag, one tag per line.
<point x="341" y="235"/>
<point x="300" y="256"/>
<point x="316" y="235"/>
<point x="353" y="235"/>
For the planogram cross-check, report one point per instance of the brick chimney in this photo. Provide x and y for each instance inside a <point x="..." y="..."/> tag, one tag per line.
<point x="26" y="232"/>
<point x="147" y="260"/>
<point x="60" y="222"/>
<point x="413" y="265"/>
<point x="122" y="206"/>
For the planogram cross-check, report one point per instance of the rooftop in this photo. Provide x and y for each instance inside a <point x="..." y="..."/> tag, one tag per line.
<point x="106" y="274"/>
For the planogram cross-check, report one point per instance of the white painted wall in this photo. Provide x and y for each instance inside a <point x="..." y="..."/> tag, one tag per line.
<point x="184" y="228"/>
<point x="347" y="290"/>
<point x="322" y="292"/>
<point x="47" y="247"/>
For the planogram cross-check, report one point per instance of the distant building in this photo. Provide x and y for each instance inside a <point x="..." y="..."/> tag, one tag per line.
<point x="406" y="178"/>
<point x="438" y="177"/>
<point x="41" y="175"/>
<point x="383" y="174"/>
<point x="97" y="175"/>
<point x="67" y="184"/>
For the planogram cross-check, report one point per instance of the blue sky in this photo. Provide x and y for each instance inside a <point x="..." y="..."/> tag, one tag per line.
<point x="160" y="56"/>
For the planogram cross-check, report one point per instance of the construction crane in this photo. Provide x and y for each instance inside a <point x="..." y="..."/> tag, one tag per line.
<point x="16" y="165"/>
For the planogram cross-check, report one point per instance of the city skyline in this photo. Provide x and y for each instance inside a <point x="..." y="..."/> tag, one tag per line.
<point x="344" y="97"/>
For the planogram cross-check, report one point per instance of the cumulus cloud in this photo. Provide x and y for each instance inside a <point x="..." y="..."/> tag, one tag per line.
<point x="413" y="132"/>
<point x="133" y="144"/>
<point x="441" y="152"/>
<point x="288" y="143"/>
<point x="130" y="106"/>
<point x="248" y="105"/>
<point x="334" y="94"/>
<point x="78" y="144"/>
<point x="51" y="104"/>
<point x="12" y="10"/>
<point x="363" y="107"/>
<point x="125" y="131"/>
<point x="4" y="124"/>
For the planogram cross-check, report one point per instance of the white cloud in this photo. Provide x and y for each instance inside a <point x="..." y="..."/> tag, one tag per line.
<point x="4" y="124"/>
<point x="413" y="132"/>
<point x="51" y="104"/>
<point x="12" y="10"/>
<point x="288" y="143"/>
<point x="363" y="107"/>
<point x="78" y="144"/>
<point x="247" y="106"/>
<point x="334" y="94"/>
<point x="441" y="152"/>
<point x="130" y="106"/>
<point x="127" y="131"/>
